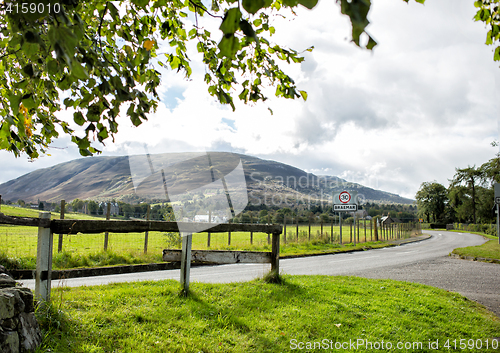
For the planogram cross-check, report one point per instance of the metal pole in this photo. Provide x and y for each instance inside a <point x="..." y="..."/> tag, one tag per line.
<point x="340" y="225"/>
<point x="146" y="234"/>
<point x="61" y="236"/>
<point x="498" y="223"/>
<point x="354" y="228"/>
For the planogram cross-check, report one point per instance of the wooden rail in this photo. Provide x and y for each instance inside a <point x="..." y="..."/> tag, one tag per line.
<point x="48" y="227"/>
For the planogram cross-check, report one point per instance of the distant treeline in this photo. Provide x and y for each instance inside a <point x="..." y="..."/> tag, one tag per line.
<point x="469" y="198"/>
<point x="254" y="214"/>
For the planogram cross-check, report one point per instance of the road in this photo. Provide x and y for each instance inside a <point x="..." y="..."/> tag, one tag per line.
<point x="423" y="262"/>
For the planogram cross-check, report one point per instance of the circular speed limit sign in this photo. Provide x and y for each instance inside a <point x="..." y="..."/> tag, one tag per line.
<point x="344" y="197"/>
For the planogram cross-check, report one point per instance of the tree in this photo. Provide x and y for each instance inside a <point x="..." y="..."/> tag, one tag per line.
<point x="102" y="56"/>
<point x="431" y="200"/>
<point x="489" y="13"/>
<point x="471" y="176"/>
<point x="92" y="206"/>
<point x="77" y="205"/>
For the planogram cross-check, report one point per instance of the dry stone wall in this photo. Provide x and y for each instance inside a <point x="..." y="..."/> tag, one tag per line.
<point x="19" y="330"/>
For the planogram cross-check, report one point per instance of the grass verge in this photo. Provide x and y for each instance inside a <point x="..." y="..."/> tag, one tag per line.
<point x="489" y="250"/>
<point x="257" y="316"/>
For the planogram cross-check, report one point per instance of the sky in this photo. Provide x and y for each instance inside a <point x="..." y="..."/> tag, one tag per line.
<point x="421" y="104"/>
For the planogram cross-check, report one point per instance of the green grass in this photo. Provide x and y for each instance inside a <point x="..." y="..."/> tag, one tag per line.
<point x="18" y="247"/>
<point x="488" y="250"/>
<point x="261" y="317"/>
<point x="28" y="212"/>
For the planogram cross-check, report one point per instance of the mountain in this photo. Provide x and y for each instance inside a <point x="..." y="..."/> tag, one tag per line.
<point x="105" y="178"/>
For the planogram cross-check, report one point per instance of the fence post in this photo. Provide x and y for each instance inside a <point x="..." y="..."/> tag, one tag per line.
<point x="275" y="254"/>
<point x="208" y="233"/>
<point x="297" y="231"/>
<point x="43" y="272"/>
<point x="358" y="230"/>
<point x="340" y="225"/>
<point x="106" y="234"/>
<point x="187" y="240"/>
<point x="59" y="245"/>
<point x="364" y="226"/>
<point x="332" y="230"/>
<point x="284" y="228"/>
<point x="146" y="234"/>
<point x="268" y="222"/>
<point x="309" y="227"/>
<point x="251" y="233"/>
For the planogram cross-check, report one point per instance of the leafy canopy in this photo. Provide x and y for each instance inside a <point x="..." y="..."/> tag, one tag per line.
<point x="95" y="56"/>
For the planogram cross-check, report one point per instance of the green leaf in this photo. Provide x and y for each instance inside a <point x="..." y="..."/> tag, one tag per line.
<point x="231" y="21"/>
<point x="94" y="113"/>
<point x="78" y="118"/>
<point x="229" y="46"/>
<point x="103" y="134"/>
<point x="79" y="71"/>
<point x="140" y="3"/>
<point x="291" y="3"/>
<point x="248" y="30"/>
<point x="310" y="4"/>
<point x="304" y="95"/>
<point x="253" y="6"/>
<point x="30" y="49"/>
<point x="85" y="152"/>
<point x="371" y="43"/>
<point x="28" y="70"/>
<point x="52" y="67"/>
<point x="28" y="101"/>
<point x="113" y="11"/>
<point x="15" y="100"/>
<point x="496" y="57"/>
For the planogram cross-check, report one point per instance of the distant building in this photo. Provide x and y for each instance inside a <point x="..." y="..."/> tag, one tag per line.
<point x="388" y="220"/>
<point x="204" y="218"/>
<point x="114" y="209"/>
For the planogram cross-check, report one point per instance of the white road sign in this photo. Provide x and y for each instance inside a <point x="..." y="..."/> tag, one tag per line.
<point x="346" y="201"/>
<point x="344" y="208"/>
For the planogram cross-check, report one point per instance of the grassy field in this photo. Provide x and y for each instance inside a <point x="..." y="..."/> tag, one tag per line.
<point x="489" y="250"/>
<point x="259" y="317"/>
<point x="18" y="244"/>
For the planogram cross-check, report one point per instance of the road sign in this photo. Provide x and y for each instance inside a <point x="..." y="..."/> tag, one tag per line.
<point x="345" y="208"/>
<point x="346" y="201"/>
<point x="344" y="197"/>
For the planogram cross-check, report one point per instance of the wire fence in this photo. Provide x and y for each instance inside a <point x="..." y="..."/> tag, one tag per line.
<point x="19" y="241"/>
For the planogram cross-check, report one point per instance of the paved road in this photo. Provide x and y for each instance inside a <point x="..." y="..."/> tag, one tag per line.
<point x="423" y="262"/>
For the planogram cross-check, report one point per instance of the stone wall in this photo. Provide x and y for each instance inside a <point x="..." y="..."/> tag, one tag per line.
<point x="19" y="330"/>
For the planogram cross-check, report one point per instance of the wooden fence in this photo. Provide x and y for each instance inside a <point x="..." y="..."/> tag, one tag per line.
<point x="48" y="227"/>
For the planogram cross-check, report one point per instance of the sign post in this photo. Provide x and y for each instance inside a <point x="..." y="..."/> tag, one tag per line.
<point x="346" y="201"/>
<point x="497" y="203"/>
